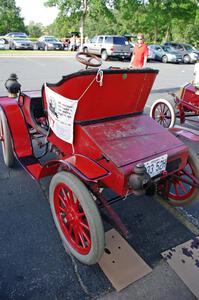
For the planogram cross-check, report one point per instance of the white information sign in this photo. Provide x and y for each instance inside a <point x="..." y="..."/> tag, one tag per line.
<point x="61" y="114"/>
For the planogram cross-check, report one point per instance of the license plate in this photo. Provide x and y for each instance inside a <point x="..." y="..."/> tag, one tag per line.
<point x="156" y="166"/>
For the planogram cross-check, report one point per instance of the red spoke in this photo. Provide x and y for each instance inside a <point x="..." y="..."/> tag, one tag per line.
<point x="65" y="198"/>
<point x="70" y="197"/>
<point x="76" y="203"/>
<point x="85" y="235"/>
<point x="166" y="109"/>
<point x="62" y="200"/>
<point x="71" y="225"/>
<point x="76" y="235"/>
<point x="82" y="214"/>
<point x="84" y="225"/>
<point x="62" y="209"/>
<point x="175" y="187"/>
<point x="82" y="240"/>
<point x="182" y="187"/>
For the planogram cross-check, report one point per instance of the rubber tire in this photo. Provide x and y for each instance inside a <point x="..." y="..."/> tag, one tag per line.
<point x="195" y="196"/>
<point x="7" y="150"/>
<point x="170" y="107"/>
<point x="165" y="59"/>
<point x="186" y="59"/>
<point x="104" y="55"/>
<point x="91" y="212"/>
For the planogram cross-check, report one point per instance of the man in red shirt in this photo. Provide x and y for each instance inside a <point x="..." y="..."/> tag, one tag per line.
<point x="140" y="53"/>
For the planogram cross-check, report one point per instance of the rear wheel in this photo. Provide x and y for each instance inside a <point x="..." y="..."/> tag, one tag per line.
<point x="179" y="188"/>
<point x="163" y="112"/>
<point x="76" y="217"/>
<point x="104" y="55"/>
<point x="164" y="59"/>
<point x="6" y="141"/>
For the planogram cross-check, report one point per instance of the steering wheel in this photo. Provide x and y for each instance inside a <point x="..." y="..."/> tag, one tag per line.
<point x="86" y="58"/>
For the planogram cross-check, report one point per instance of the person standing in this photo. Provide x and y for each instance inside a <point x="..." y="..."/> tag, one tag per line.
<point x="196" y="77"/>
<point x="140" y="53"/>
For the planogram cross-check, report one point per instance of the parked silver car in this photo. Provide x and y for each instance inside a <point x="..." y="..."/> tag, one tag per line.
<point x="165" y="54"/>
<point x="109" y="46"/>
<point x="189" y="54"/>
<point x="4" y="45"/>
<point x="48" y="43"/>
<point x="19" y="40"/>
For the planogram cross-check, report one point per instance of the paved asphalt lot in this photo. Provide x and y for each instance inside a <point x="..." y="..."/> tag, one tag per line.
<point x="33" y="262"/>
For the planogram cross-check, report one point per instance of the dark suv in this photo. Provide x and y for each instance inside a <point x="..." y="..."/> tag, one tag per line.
<point x="189" y="53"/>
<point x="109" y="46"/>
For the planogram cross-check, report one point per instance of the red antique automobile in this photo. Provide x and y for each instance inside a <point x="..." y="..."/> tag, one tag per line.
<point x="183" y="105"/>
<point x="95" y="137"/>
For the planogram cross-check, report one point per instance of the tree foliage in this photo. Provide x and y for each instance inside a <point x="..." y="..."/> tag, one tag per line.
<point x="35" y="30"/>
<point x="159" y="20"/>
<point x="10" y="17"/>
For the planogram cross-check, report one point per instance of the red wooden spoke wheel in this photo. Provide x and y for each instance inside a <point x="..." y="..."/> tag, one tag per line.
<point x="163" y="112"/>
<point x="6" y="141"/>
<point x="76" y="217"/>
<point x="179" y="188"/>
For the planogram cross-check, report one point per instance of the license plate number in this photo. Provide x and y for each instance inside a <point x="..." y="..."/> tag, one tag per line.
<point x="156" y="165"/>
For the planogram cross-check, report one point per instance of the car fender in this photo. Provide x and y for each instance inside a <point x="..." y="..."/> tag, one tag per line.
<point x="84" y="167"/>
<point x="19" y="132"/>
<point x="187" y="134"/>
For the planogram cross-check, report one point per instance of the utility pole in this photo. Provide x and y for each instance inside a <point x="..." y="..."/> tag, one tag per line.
<point x="84" y="6"/>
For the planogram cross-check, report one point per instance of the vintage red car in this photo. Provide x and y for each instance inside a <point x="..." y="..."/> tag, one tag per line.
<point x="184" y="105"/>
<point x="92" y="123"/>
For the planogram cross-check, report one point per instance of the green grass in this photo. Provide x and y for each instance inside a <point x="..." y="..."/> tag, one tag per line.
<point x="33" y="52"/>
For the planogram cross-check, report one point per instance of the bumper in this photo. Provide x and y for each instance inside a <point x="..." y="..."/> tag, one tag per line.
<point x="120" y="54"/>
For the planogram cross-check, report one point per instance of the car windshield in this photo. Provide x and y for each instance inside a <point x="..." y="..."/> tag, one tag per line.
<point x="120" y="40"/>
<point x="166" y="49"/>
<point x="188" y="47"/>
<point x="19" y="38"/>
<point x="51" y="39"/>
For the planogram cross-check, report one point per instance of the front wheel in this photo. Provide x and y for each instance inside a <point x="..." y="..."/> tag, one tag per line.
<point x="76" y="217"/>
<point x="186" y="59"/>
<point x="6" y="141"/>
<point x="179" y="189"/>
<point x="164" y="59"/>
<point x="163" y="112"/>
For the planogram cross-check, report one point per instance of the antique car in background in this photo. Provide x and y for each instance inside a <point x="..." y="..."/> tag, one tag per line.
<point x="94" y="138"/>
<point x="184" y="105"/>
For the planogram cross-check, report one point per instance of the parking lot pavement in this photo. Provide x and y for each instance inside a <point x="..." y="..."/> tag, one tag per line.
<point x="161" y="284"/>
<point x="34" y="264"/>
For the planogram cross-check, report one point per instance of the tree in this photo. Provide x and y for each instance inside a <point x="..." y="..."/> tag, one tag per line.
<point x="78" y="10"/>
<point x="35" y="30"/>
<point x="10" y="17"/>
